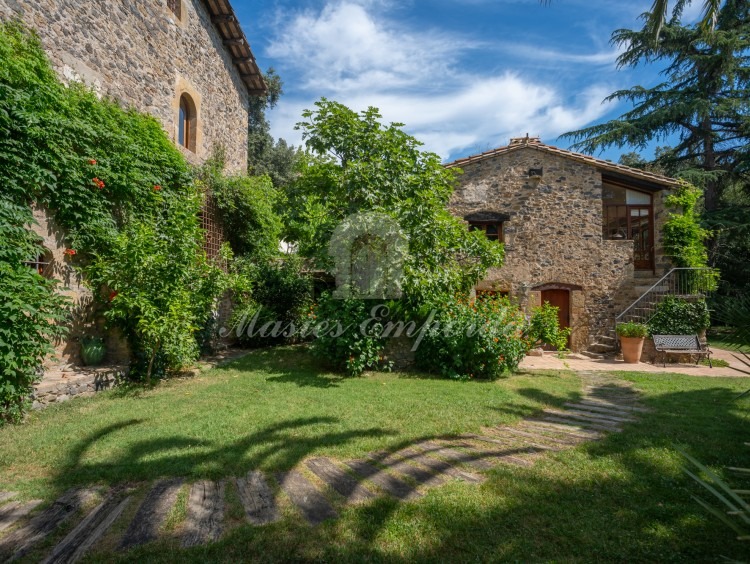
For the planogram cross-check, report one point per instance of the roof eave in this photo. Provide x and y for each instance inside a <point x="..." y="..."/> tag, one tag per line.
<point x="655" y="181"/>
<point x="225" y="21"/>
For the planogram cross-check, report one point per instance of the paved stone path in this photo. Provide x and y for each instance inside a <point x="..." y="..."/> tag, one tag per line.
<point x="319" y="487"/>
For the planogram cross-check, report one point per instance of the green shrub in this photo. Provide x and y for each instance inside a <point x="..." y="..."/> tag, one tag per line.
<point x="544" y="328"/>
<point x="277" y="291"/>
<point x="632" y="329"/>
<point x="30" y="309"/>
<point x="678" y="316"/>
<point x="246" y="208"/>
<point x="342" y="341"/>
<point x="161" y="288"/>
<point x="483" y="339"/>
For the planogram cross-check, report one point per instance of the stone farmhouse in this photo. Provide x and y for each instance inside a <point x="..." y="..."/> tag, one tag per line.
<point x="186" y="62"/>
<point x="581" y="233"/>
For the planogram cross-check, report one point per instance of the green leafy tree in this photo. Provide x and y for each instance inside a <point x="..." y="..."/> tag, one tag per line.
<point x="657" y="16"/>
<point x="122" y="192"/>
<point x="362" y="165"/>
<point x="704" y="100"/>
<point x="683" y="235"/>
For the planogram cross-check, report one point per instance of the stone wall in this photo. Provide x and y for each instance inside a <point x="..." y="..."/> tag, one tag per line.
<point x="58" y="387"/>
<point x="86" y="319"/>
<point x="553" y="237"/>
<point x="142" y="55"/>
<point x="139" y="53"/>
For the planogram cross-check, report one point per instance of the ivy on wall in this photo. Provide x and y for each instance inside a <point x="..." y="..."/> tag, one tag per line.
<point x="684" y="238"/>
<point x="126" y="199"/>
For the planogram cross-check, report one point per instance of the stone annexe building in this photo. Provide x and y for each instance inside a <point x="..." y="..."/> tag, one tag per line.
<point x="186" y="62"/>
<point x="581" y="233"/>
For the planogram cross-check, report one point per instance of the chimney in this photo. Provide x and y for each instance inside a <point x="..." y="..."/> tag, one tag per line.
<point x="524" y="141"/>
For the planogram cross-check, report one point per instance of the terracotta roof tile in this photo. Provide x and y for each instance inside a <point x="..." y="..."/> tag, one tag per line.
<point x="534" y="143"/>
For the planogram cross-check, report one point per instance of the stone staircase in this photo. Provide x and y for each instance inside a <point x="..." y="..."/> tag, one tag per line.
<point x="605" y="342"/>
<point x="317" y="490"/>
<point x="646" y="294"/>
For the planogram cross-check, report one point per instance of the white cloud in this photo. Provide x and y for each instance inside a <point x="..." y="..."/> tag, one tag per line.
<point x="345" y="48"/>
<point x="479" y="116"/>
<point x="349" y="52"/>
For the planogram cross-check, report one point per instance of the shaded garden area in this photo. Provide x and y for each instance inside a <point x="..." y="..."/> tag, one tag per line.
<point x="623" y="497"/>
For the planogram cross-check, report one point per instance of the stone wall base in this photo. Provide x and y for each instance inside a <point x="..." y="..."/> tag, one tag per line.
<point x="398" y="351"/>
<point x="58" y="387"/>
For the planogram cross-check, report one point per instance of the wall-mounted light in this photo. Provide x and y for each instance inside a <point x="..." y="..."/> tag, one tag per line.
<point x="536" y="173"/>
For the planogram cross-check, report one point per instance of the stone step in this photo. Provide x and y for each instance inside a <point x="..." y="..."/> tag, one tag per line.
<point x="511" y="441"/>
<point x="78" y="541"/>
<point x="421" y="476"/>
<point x="566" y="426"/>
<point x="390" y="484"/>
<point x="449" y="453"/>
<point x="12" y="512"/>
<point x="441" y="467"/>
<point x="607" y="339"/>
<point x="608" y="410"/>
<point x="19" y="542"/>
<point x="305" y="496"/>
<point x="601" y="348"/>
<point x="205" y="513"/>
<point x="593" y="355"/>
<point x="646" y="274"/>
<point x="339" y="480"/>
<point x="573" y="436"/>
<point x="621" y="407"/>
<point x="578" y="422"/>
<point x="559" y="441"/>
<point x="597" y="417"/>
<point x="503" y="454"/>
<point x="257" y="499"/>
<point x="152" y="513"/>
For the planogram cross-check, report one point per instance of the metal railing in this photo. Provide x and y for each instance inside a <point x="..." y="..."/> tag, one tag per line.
<point x="680" y="282"/>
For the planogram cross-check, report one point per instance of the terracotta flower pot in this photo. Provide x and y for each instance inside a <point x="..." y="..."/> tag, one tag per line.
<point x="631" y="349"/>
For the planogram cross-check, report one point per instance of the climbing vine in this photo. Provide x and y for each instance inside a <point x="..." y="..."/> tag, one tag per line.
<point x="124" y="196"/>
<point x="684" y="237"/>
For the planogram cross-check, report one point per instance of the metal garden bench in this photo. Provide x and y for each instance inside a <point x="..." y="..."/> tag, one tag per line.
<point x="685" y="344"/>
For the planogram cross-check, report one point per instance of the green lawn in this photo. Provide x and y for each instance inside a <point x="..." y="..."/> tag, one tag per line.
<point x="623" y="498"/>
<point x="268" y="410"/>
<point x="719" y="337"/>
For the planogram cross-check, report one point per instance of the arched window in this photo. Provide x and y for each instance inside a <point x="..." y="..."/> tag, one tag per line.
<point x="186" y="123"/>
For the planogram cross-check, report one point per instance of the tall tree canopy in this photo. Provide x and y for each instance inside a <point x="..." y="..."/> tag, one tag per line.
<point x="657" y="16"/>
<point x="359" y="164"/>
<point x="704" y="100"/>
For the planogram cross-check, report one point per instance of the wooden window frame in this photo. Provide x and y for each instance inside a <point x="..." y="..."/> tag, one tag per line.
<point x="482" y="226"/>
<point x="187" y="122"/>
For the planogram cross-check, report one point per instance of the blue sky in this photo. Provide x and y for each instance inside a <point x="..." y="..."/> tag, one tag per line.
<point x="463" y="75"/>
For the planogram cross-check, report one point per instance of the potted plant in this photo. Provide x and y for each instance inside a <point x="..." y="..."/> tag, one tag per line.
<point x="631" y="336"/>
<point x="92" y="351"/>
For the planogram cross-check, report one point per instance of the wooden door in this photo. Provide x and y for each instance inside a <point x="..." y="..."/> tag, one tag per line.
<point x="561" y="300"/>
